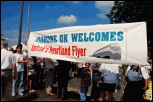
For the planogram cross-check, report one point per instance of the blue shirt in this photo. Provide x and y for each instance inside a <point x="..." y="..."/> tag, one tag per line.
<point x="95" y="74"/>
<point x="133" y="75"/>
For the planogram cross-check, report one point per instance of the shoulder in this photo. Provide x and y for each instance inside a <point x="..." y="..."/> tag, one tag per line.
<point x="22" y="53"/>
<point x="15" y="54"/>
<point x="9" y="52"/>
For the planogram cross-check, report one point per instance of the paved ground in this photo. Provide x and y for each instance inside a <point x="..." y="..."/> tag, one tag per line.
<point x="40" y="94"/>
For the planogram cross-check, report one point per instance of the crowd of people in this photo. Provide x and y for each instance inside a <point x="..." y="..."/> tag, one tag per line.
<point x="102" y="77"/>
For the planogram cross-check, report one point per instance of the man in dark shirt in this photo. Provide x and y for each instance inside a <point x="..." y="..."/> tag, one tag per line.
<point x="63" y="77"/>
<point x="85" y="81"/>
<point x="95" y="76"/>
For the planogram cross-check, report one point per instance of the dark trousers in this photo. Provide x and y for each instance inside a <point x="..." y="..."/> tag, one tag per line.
<point x="133" y="91"/>
<point x="49" y="80"/>
<point x="39" y="75"/>
<point x="95" y="90"/>
<point x="62" y="87"/>
<point x="6" y="76"/>
<point x="79" y="71"/>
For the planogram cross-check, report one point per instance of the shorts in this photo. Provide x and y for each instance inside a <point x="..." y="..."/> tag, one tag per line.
<point x="30" y="77"/>
<point x="107" y="87"/>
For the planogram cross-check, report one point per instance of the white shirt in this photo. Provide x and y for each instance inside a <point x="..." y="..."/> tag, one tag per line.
<point x="83" y="64"/>
<point x="50" y="63"/>
<point x="7" y="59"/>
<point x="133" y="75"/>
<point x="119" y="65"/>
<point x="148" y="66"/>
<point x="24" y="53"/>
<point x="109" y="72"/>
<point x="80" y="64"/>
<point x="22" y="57"/>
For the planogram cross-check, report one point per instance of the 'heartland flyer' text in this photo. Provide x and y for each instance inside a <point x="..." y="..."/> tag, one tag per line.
<point x="74" y="51"/>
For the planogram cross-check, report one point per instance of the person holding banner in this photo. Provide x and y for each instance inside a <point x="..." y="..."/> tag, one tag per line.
<point x="108" y="77"/>
<point x="30" y="72"/>
<point x="25" y="71"/>
<point x="20" y="60"/>
<point x="40" y="70"/>
<point x="95" y="76"/>
<point x="50" y="74"/>
<point x="63" y="77"/>
<point x="117" y="78"/>
<point x="73" y="64"/>
<point x="137" y="78"/>
<point x="85" y="81"/>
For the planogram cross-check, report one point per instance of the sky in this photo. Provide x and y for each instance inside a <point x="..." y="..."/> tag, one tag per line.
<point x="46" y="15"/>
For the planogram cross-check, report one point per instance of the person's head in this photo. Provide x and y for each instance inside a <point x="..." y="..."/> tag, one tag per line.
<point x="19" y="48"/>
<point x="11" y="49"/>
<point x="87" y="65"/>
<point x="4" y="44"/>
<point x="135" y="67"/>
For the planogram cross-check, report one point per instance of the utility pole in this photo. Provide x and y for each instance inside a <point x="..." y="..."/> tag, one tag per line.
<point x="20" y="25"/>
<point x="27" y="47"/>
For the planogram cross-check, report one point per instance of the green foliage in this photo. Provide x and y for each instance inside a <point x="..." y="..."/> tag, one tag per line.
<point x="130" y="11"/>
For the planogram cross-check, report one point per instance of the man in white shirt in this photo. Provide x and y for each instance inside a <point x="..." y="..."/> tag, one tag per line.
<point x="50" y="74"/>
<point x="109" y="72"/>
<point x="7" y="64"/>
<point x="20" y="60"/>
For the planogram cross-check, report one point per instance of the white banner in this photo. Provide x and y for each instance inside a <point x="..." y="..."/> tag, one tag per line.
<point x="124" y="43"/>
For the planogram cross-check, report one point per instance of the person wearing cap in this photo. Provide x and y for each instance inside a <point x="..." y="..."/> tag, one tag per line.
<point x="7" y="65"/>
<point x="20" y="60"/>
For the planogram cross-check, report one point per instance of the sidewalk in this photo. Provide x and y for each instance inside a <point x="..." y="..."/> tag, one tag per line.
<point x="73" y="93"/>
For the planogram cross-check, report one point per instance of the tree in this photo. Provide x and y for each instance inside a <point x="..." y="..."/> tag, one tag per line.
<point x="133" y="11"/>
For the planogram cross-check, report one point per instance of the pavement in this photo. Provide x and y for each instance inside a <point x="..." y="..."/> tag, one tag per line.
<point x="73" y="92"/>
